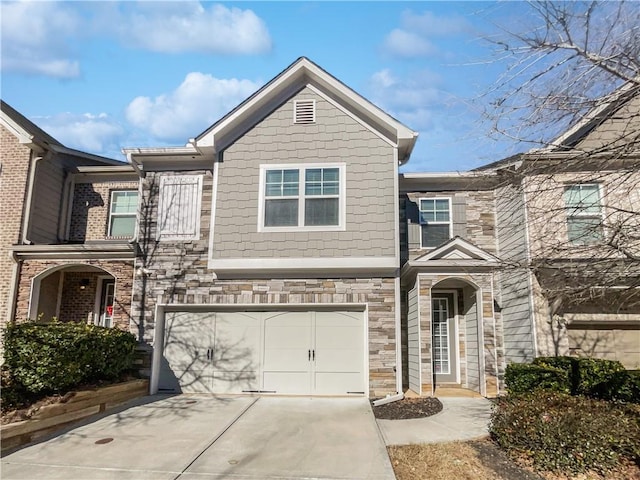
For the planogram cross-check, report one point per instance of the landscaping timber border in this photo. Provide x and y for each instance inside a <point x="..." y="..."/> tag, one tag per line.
<point x="80" y="405"/>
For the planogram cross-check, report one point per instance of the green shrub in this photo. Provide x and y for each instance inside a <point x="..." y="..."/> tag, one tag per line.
<point x="624" y="386"/>
<point x="523" y="378"/>
<point x="593" y="377"/>
<point x="560" y="433"/>
<point x="52" y="357"/>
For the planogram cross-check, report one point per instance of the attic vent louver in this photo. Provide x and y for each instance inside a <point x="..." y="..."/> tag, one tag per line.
<point x="304" y="111"/>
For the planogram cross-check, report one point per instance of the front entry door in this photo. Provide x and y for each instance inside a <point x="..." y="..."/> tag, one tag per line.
<point x="443" y="338"/>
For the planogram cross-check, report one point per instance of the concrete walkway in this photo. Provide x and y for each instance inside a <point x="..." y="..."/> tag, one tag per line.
<point x="460" y="419"/>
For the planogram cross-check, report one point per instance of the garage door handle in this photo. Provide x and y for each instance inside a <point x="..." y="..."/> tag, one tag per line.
<point x="314" y="355"/>
<point x="208" y="354"/>
<point x="309" y="355"/>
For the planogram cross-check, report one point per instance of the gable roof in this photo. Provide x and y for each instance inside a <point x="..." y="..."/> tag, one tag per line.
<point x="24" y="129"/>
<point x="28" y="133"/>
<point x="300" y="73"/>
<point x="456" y="248"/>
<point x="604" y="109"/>
<point x="456" y="255"/>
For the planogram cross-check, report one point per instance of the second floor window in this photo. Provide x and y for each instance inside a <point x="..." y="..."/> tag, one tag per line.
<point x="307" y="197"/>
<point x="122" y="213"/>
<point x="435" y="221"/>
<point x="584" y="214"/>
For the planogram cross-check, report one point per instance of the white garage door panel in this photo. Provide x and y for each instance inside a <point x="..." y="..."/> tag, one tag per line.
<point x="287" y="341"/>
<point x="194" y="381"/>
<point x="612" y="344"/>
<point x="236" y="352"/>
<point x="338" y="383"/>
<point x="187" y="338"/>
<point x="317" y="353"/>
<point x="287" y="383"/>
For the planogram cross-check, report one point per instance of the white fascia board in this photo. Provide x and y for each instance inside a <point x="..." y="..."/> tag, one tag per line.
<point x="113" y="251"/>
<point x="20" y="133"/>
<point x="208" y="138"/>
<point x="299" y="70"/>
<point x="439" y="175"/>
<point x="317" y="74"/>
<point x="186" y="150"/>
<point x="318" y="264"/>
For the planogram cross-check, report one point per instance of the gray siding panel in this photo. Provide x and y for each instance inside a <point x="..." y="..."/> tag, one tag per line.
<point x="334" y="138"/>
<point x="459" y="215"/>
<point x="471" y="348"/>
<point x="515" y="292"/>
<point x="47" y="198"/>
<point x="413" y="325"/>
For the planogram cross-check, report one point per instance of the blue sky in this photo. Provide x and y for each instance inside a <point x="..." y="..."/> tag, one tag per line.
<point x="100" y="76"/>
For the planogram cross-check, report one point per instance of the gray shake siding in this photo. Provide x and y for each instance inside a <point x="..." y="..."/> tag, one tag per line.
<point x="334" y="138"/>
<point x="514" y="278"/>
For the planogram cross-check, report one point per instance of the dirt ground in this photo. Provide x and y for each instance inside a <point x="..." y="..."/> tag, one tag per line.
<point x="408" y="408"/>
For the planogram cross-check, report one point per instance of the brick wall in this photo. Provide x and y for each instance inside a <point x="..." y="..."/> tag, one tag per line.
<point x="15" y="160"/>
<point x="76" y="304"/>
<point x="90" y="211"/>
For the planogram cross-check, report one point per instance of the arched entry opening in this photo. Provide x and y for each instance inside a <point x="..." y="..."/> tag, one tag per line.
<point x="73" y="293"/>
<point x="455" y="334"/>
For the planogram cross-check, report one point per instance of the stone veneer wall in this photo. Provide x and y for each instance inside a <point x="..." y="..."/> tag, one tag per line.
<point x="122" y="271"/>
<point x="493" y="341"/>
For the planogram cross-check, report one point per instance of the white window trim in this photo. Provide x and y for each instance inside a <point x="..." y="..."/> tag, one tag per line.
<point x="111" y="214"/>
<point x="450" y="222"/>
<point x="577" y="214"/>
<point x="197" y="206"/>
<point x="301" y="167"/>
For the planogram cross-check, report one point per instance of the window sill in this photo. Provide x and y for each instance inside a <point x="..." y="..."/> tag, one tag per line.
<point x="327" y="228"/>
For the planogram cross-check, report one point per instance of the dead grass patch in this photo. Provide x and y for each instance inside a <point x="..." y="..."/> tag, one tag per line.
<point x="441" y="461"/>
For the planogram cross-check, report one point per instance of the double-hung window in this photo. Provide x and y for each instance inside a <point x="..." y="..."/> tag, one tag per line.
<point x="435" y="221"/>
<point x="584" y="214"/>
<point x="302" y="197"/>
<point x="122" y="213"/>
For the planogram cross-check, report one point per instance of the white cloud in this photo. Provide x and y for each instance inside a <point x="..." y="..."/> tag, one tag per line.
<point x="198" y="102"/>
<point x="99" y="134"/>
<point x="408" y="44"/>
<point x="415" y="37"/>
<point x="43" y="38"/>
<point x="176" y="27"/>
<point x="433" y="25"/>
<point x="410" y="98"/>
<point x="35" y="38"/>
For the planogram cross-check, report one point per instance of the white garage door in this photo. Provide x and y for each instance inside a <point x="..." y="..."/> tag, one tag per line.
<point x="298" y="353"/>
<point x="609" y="343"/>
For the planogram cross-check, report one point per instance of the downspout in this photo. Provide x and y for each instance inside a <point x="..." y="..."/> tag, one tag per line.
<point x="13" y="290"/>
<point x="399" y="394"/>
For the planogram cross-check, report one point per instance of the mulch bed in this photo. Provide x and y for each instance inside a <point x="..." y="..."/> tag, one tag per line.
<point x="408" y="408"/>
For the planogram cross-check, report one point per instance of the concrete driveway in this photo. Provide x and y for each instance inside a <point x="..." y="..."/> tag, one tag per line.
<point x="202" y="437"/>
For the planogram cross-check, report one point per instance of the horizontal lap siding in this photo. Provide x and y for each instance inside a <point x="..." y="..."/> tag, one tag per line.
<point x="516" y="310"/>
<point x="413" y="325"/>
<point x="334" y="138"/>
<point x="47" y="201"/>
